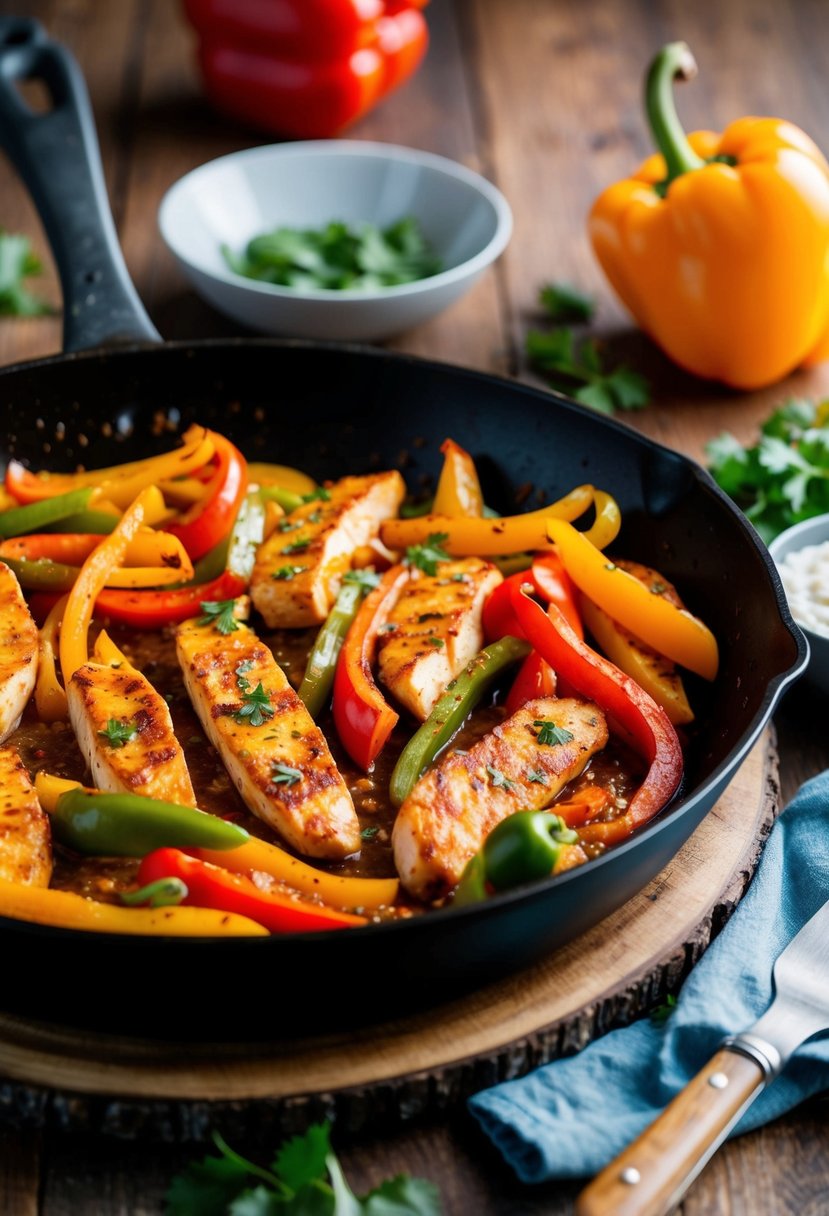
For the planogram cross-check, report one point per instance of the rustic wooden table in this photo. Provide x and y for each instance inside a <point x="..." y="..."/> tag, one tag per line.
<point x="543" y="97"/>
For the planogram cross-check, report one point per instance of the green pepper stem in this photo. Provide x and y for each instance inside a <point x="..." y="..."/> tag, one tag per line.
<point x="674" y="62"/>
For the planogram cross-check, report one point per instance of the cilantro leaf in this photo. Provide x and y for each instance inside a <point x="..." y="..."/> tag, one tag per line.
<point x="256" y="707"/>
<point x="567" y="364"/>
<point x="17" y="262"/>
<point x="219" y="614"/>
<point x="285" y="573"/>
<point x="283" y="774"/>
<point x="536" y="776"/>
<point x="302" y="1159"/>
<point x="661" y="1013"/>
<point x="297" y="546"/>
<point x="550" y="735"/>
<point x="118" y="732"/>
<point x="320" y="494"/>
<point x="565" y="303"/>
<point x="367" y="578"/>
<point x="403" y="1196"/>
<point x="497" y="778"/>
<point x="427" y="555"/>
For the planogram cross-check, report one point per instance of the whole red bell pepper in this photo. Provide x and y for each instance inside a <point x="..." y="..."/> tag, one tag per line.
<point x="305" y="68"/>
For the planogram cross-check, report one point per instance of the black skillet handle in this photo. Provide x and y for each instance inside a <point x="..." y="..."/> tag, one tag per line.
<point x="57" y="155"/>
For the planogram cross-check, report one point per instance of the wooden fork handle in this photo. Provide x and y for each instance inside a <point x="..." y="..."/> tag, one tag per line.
<point x="652" y="1174"/>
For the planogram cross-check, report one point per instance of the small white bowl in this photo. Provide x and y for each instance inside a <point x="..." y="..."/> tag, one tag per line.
<point x="809" y="532"/>
<point x="305" y="185"/>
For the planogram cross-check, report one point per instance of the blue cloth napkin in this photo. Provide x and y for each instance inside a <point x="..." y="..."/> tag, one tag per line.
<point x="569" y="1118"/>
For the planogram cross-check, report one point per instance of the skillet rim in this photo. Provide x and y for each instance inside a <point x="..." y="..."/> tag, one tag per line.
<point x="684" y="805"/>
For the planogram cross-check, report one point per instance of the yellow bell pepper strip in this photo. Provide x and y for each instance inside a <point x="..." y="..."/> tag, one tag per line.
<point x="50" y="699"/>
<point x="257" y="856"/>
<point x="299" y="483"/>
<point x="656" y="674"/>
<point x="121" y="483"/>
<point x="49" y="789"/>
<point x="147" y="548"/>
<point x="671" y="631"/>
<point x="459" y="490"/>
<point x="91" y="581"/>
<point x="65" y="910"/>
<point x="106" y="652"/>
<point x="211" y="519"/>
<point x="605" y="527"/>
<point x="719" y="245"/>
<point x="466" y="537"/>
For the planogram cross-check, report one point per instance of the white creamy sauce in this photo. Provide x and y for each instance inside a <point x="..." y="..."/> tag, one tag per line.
<point x="805" y="575"/>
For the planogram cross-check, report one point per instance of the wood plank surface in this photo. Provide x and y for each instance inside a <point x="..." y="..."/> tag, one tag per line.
<point x="543" y="96"/>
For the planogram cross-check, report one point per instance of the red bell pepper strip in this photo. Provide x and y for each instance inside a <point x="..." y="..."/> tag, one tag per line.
<point x="535" y="678"/>
<point x="553" y="583"/>
<point x="363" y="718"/>
<point x="644" y="722"/>
<point x="154" y="609"/>
<point x="210" y="886"/>
<point x="305" y="68"/>
<point x="207" y="522"/>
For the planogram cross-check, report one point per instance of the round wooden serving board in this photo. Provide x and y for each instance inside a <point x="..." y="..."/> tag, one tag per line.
<point x="622" y="967"/>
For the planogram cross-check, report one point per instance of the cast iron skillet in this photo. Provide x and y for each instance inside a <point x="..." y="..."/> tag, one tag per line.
<point x="333" y="409"/>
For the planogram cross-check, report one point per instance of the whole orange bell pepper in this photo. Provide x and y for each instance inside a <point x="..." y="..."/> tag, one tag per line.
<point x="719" y="245"/>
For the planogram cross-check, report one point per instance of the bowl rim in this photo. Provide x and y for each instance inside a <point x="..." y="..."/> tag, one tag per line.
<point x="791" y="540"/>
<point x="347" y="148"/>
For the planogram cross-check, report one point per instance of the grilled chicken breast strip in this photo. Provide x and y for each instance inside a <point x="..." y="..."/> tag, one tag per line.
<point x="18" y="652"/>
<point x="434" y="630"/>
<point x="276" y="755"/>
<point x="454" y="807"/>
<point x="141" y="755"/>
<point x="25" y="834"/>
<point x="299" y="568"/>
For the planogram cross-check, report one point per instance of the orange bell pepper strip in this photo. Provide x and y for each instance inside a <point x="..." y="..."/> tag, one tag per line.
<point x="91" y="581"/>
<point x="671" y="631"/>
<point x="459" y="490"/>
<point x="466" y="537"/>
<point x="50" y="699"/>
<point x="718" y="246"/>
<point x="65" y="910"/>
<point x="363" y="718"/>
<point x="147" y="548"/>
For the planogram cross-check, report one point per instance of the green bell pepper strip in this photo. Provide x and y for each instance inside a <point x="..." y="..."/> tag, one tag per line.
<point x="287" y="499"/>
<point x="42" y="574"/>
<point x="36" y="516"/>
<point x="460" y="698"/>
<point x="315" y="689"/>
<point x="99" y="523"/>
<point x="163" y="893"/>
<point x="128" y="825"/>
<point x="524" y="847"/>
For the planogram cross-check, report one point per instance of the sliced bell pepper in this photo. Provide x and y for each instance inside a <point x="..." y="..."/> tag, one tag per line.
<point x="522" y="848"/>
<point x="262" y="474"/>
<point x="127" y="825"/>
<point x="363" y="718"/>
<point x="98" y="521"/>
<point x="535" y="679"/>
<point x="208" y="521"/>
<point x="50" y="698"/>
<point x="644" y="722"/>
<point x="671" y="631"/>
<point x="605" y="527"/>
<point x="147" y="548"/>
<point x="553" y="584"/>
<point x="38" y="515"/>
<point x="457" y="702"/>
<point x="459" y="490"/>
<point x="121" y="483"/>
<point x="338" y="891"/>
<point x="467" y="537"/>
<point x="155" y="609"/>
<point x="590" y="802"/>
<point x="211" y="886"/>
<point x="318" y="680"/>
<point x="65" y="910"/>
<point x="91" y="581"/>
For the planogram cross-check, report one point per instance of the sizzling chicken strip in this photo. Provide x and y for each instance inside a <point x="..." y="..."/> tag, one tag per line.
<point x="299" y="568"/>
<point x="125" y="732"/>
<point x="437" y="630"/>
<point x="276" y="755"/>
<point x="25" y="835"/>
<point x="451" y="811"/>
<point x="18" y="652"/>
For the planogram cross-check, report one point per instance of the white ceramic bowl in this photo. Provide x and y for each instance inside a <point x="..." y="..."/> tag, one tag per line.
<point x="227" y="201"/>
<point x="810" y="532"/>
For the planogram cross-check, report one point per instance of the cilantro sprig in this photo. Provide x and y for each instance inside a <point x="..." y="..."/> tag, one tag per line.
<point x="305" y="1177"/>
<point x="256" y="706"/>
<point x="366" y="577"/>
<point x="427" y="555"/>
<point x="118" y="732"/>
<point x="564" y="303"/>
<point x="219" y="614"/>
<point x="283" y="774"/>
<point x="784" y="477"/>
<point x="577" y="368"/>
<point x="18" y="262"/>
<point x="550" y="735"/>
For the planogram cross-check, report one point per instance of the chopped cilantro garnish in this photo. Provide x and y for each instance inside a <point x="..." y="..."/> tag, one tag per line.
<point x="536" y="776"/>
<point x="436" y="642"/>
<point x="318" y="495"/>
<point x="369" y="833"/>
<point x="118" y="732"/>
<point x="219" y="614"/>
<point x="288" y="524"/>
<point x="427" y="555"/>
<point x="550" y="735"/>
<point x="497" y="778"/>
<point x="282" y="774"/>
<point x="297" y="546"/>
<point x="240" y="673"/>
<point x="256" y="707"/>
<point x="287" y="572"/>
<point x="366" y="578"/>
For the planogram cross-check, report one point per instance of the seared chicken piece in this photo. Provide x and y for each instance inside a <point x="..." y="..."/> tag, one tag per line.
<point x="437" y="630"/>
<point x="25" y="835"/>
<point x="18" y="652"/>
<point x="299" y="568"/>
<point x="276" y="755"/>
<point x="125" y="732"/>
<point x="454" y="807"/>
